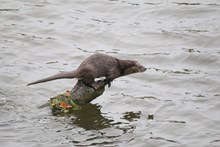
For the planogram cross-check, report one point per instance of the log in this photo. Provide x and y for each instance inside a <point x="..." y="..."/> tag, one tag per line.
<point x="80" y="95"/>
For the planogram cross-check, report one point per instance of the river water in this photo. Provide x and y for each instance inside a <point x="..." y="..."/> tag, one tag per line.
<point x="174" y="103"/>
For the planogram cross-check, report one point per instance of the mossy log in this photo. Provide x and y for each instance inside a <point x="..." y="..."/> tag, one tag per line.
<point x="80" y="94"/>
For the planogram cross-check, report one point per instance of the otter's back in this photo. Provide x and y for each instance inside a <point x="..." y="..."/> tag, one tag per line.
<point x="99" y="64"/>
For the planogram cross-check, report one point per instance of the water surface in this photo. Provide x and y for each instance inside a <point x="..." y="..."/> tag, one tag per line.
<point x="174" y="103"/>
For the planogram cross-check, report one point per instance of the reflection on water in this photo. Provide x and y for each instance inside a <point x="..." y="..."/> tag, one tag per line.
<point x="131" y="116"/>
<point x="90" y="118"/>
<point x="174" y="103"/>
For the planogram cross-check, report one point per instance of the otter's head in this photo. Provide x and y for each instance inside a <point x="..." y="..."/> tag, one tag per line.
<point x="133" y="67"/>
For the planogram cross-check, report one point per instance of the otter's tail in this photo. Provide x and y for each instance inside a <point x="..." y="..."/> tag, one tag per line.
<point x="62" y="75"/>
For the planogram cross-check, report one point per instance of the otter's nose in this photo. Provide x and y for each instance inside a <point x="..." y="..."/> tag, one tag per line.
<point x="142" y="69"/>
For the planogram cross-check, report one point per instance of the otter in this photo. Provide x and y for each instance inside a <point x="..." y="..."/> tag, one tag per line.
<point x="96" y="66"/>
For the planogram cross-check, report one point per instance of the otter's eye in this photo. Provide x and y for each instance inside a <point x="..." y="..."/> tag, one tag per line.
<point x="133" y="64"/>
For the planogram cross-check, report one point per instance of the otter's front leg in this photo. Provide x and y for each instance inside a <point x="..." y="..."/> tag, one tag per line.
<point x="110" y="78"/>
<point x="108" y="81"/>
<point x="113" y="75"/>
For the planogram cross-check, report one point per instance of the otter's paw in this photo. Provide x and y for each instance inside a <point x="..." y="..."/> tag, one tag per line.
<point x="108" y="82"/>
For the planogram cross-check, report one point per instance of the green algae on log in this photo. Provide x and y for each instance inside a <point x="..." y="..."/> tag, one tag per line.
<point x="80" y="94"/>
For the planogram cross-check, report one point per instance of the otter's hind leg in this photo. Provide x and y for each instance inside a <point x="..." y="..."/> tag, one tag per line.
<point x="88" y="82"/>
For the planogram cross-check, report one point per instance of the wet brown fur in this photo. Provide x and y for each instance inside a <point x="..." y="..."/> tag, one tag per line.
<point x="96" y="66"/>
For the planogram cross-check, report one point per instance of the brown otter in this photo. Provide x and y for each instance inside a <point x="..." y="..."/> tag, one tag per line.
<point x="96" y="66"/>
